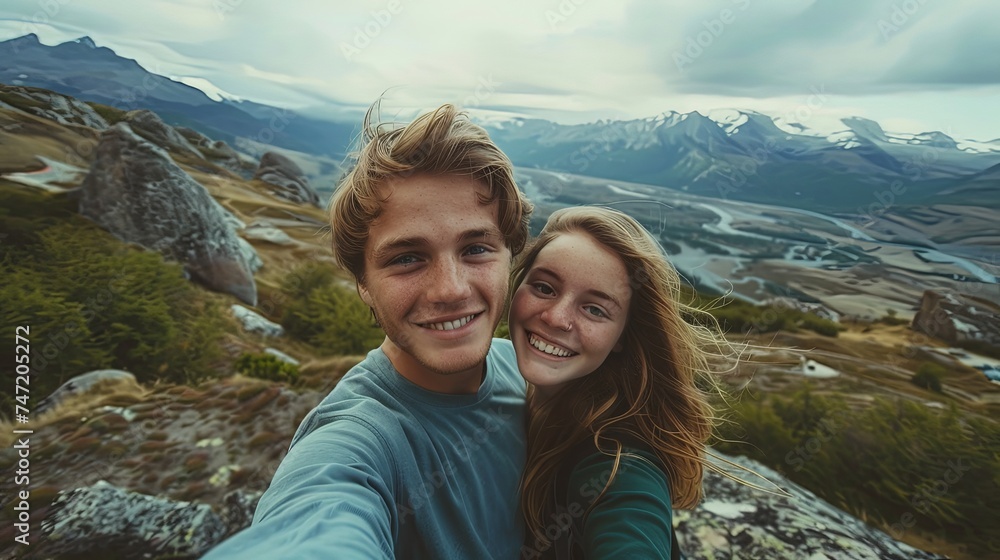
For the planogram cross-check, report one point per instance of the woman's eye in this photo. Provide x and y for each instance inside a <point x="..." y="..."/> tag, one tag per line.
<point x="543" y="289"/>
<point x="596" y="311"/>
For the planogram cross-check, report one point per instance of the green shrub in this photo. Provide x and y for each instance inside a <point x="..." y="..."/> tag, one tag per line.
<point x="929" y="376"/>
<point x="891" y="319"/>
<point x="111" y="114"/>
<point x="267" y="366"/>
<point x="92" y="302"/>
<point x="743" y="317"/>
<point x="890" y="459"/>
<point x="330" y="317"/>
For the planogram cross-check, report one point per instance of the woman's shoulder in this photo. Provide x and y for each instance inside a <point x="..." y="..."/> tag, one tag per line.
<point x="630" y="516"/>
<point x="587" y="466"/>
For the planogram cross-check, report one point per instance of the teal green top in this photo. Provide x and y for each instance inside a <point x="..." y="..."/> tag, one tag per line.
<point x="383" y="468"/>
<point x="633" y="519"/>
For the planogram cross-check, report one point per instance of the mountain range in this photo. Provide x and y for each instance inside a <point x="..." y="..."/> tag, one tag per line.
<point x="733" y="154"/>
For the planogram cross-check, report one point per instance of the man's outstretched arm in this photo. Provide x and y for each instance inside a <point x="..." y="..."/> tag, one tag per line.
<point x="330" y="497"/>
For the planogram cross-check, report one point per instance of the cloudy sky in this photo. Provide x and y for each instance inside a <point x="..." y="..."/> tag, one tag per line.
<point x="913" y="65"/>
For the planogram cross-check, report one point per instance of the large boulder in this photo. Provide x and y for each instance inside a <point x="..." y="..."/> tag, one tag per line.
<point x="148" y="124"/>
<point x="135" y="191"/>
<point x="287" y="177"/>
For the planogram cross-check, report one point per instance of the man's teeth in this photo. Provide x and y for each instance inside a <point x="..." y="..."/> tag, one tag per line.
<point x="450" y="325"/>
<point x="548" y="348"/>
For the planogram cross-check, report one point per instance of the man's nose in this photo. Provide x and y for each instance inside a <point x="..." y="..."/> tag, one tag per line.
<point x="449" y="282"/>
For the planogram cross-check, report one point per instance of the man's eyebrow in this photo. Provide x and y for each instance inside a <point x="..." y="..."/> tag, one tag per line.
<point x="397" y="244"/>
<point x="488" y="234"/>
<point x="597" y="293"/>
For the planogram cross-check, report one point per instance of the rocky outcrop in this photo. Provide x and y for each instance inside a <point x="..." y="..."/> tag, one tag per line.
<point x="287" y="178"/>
<point x="83" y="383"/>
<point x="264" y="230"/>
<point x="955" y="319"/>
<point x="733" y="521"/>
<point x="46" y="104"/>
<point x="736" y="521"/>
<point x="104" y="521"/>
<point x="253" y="322"/>
<point x="215" y="151"/>
<point x="135" y="191"/>
<point x="148" y="124"/>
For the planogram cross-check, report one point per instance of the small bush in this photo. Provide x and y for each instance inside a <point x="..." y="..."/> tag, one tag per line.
<point x="330" y="317"/>
<point x="929" y="376"/>
<point x="266" y="366"/>
<point x="891" y="319"/>
<point x="111" y="114"/>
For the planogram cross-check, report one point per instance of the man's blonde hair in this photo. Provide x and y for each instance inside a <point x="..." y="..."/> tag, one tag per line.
<point x="439" y="142"/>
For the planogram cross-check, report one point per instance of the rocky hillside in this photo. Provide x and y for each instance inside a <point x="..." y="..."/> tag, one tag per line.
<point x="169" y="471"/>
<point x="176" y="466"/>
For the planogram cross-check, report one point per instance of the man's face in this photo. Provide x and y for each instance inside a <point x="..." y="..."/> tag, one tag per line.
<point x="436" y="273"/>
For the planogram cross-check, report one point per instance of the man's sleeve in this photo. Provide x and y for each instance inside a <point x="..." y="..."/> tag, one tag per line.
<point x="633" y="518"/>
<point x="331" y="497"/>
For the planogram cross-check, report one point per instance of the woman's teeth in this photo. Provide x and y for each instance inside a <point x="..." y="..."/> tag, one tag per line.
<point x="548" y="348"/>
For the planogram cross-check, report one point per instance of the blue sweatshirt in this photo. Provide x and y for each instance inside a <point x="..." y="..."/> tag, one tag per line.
<point x="383" y="468"/>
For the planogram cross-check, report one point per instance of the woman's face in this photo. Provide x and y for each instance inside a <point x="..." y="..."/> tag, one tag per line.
<point x="569" y="313"/>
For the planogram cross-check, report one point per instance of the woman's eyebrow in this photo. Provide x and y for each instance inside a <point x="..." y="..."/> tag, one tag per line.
<point x="595" y="292"/>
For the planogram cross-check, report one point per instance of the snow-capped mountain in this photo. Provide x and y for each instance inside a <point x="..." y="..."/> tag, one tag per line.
<point x="752" y="156"/>
<point x="88" y="72"/>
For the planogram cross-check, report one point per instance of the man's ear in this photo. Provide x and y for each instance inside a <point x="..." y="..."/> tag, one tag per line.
<point x="365" y="296"/>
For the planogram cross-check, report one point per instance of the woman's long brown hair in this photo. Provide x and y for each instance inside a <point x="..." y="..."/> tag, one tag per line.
<point x="647" y="390"/>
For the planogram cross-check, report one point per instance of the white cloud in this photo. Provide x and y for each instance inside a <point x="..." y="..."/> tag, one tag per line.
<point x="573" y="60"/>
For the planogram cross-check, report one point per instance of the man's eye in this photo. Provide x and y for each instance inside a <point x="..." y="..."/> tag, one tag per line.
<point x="403" y="260"/>
<point x="477" y="250"/>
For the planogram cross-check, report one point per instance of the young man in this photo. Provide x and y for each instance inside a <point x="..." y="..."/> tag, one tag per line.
<point x="418" y="451"/>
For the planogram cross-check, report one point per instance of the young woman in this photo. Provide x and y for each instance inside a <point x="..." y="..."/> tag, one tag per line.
<point x="618" y="427"/>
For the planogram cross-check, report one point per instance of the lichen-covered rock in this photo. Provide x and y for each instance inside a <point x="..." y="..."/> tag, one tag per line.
<point x="263" y="230"/>
<point x="735" y="521"/>
<point x="60" y="108"/>
<point x="83" y="383"/>
<point x="148" y="124"/>
<point x="281" y="356"/>
<point x="135" y="191"/>
<point x="287" y="177"/>
<point x="252" y="322"/>
<point x="104" y="521"/>
<point x="250" y="255"/>
<point x="238" y="508"/>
